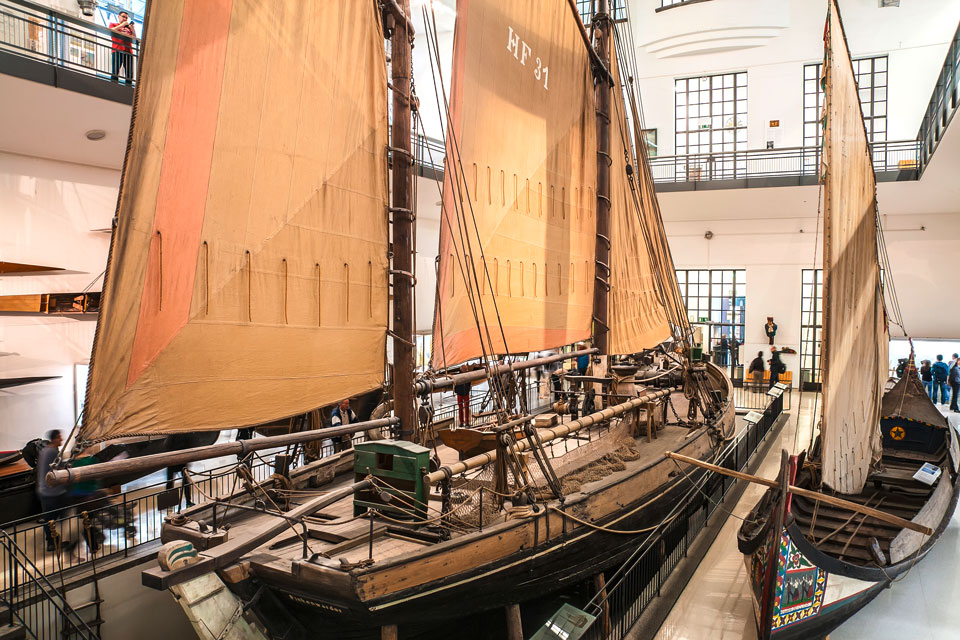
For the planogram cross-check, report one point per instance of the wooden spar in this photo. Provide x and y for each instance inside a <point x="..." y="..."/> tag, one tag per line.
<point x="807" y="493"/>
<point x="147" y="464"/>
<point x="231" y="551"/>
<point x="601" y="284"/>
<point x="448" y="382"/>
<point x="404" y="405"/>
<point x="546" y="435"/>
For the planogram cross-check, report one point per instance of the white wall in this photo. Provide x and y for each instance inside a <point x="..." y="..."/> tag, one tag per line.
<point x="772" y="41"/>
<point x="49" y="211"/>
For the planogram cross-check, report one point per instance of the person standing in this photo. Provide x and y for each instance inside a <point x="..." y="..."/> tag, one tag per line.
<point x="122" y="47"/>
<point x="722" y="348"/>
<point x="341" y="416"/>
<point x="734" y="355"/>
<point x="926" y="376"/>
<point x="53" y="499"/>
<point x="776" y="367"/>
<point x="463" y="403"/>
<point x="757" y="367"/>
<point x="941" y="372"/>
<point x="583" y="363"/>
<point x="954" y="380"/>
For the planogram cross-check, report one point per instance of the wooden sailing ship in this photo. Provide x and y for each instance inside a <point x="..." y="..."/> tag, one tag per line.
<point x="811" y="565"/>
<point x="249" y="281"/>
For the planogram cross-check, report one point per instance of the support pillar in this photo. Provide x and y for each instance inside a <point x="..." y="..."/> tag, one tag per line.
<point x="514" y="623"/>
<point x="388" y="632"/>
<point x="600" y="586"/>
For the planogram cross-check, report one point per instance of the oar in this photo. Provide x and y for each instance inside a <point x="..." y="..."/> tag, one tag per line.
<point x="807" y="493"/>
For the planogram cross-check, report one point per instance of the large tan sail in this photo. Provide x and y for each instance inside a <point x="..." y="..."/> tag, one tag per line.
<point x="854" y="321"/>
<point x="637" y="315"/>
<point x="522" y="141"/>
<point x="247" y="279"/>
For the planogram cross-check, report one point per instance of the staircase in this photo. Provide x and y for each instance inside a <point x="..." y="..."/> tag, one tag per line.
<point x="31" y="607"/>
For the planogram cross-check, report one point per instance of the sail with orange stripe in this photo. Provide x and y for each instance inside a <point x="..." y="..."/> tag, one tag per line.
<point x="248" y="272"/>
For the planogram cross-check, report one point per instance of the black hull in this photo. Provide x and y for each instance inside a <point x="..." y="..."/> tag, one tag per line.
<point x="518" y="578"/>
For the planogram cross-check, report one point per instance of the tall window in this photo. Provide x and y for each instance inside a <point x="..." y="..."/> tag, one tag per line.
<point x="871" y="75"/>
<point x="711" y="113"/>
<point x="618" y="9"/>
<point x="811" y="326"/>
<point x="716" y="299"/>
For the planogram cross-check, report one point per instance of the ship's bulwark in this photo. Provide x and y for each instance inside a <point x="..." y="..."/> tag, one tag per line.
<point x="523" y="117"/>
<point x="248" y="272"/>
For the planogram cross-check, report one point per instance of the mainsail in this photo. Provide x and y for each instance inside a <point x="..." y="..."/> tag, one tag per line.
<point x="518" y="221"/>
<point x="248" y="272"/>
<point x="854" y="321"/>
<point x="637" y="315"/>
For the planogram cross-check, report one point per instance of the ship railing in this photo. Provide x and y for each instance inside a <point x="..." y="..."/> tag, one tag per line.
<point x="33" y="601"/>
<point x="35" y="32"/>
<point x="788" y="162"/>
<point x="640" y="581"/>
<point x="943" y="103"/>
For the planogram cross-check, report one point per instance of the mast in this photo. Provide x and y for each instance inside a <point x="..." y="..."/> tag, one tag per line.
<point x="402" y="215"/>
<point x="602" y="252"/>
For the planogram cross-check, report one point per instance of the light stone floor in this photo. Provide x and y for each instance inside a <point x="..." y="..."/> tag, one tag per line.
<point x="716" y="604"/>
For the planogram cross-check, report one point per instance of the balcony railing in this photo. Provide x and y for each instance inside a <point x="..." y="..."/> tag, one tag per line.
<point x="943" y="103"/>
<point x="39" y="33"/>
<point x="773" y="163"/>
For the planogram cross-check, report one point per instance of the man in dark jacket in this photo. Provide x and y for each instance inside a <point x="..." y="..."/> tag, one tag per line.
<point x="926" y="376"/>
<point x="776" y="367"/>
<point x="756" y="368"/>
<point x="941" y="372"/>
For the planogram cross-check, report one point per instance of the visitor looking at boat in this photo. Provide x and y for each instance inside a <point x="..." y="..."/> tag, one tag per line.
<point x="343" y="415"/>
<point x="757" y="368"/>
<point x="941" y="372"/>
<point x="954" y="380"/>
<point x="926" y="376"/>
<point x="53" y="499"/>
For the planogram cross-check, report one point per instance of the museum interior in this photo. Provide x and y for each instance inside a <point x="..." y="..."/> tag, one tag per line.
<point x="540" y="319"/>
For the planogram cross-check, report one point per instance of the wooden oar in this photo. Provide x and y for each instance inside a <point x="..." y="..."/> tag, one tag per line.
<point x="807" y="493"/>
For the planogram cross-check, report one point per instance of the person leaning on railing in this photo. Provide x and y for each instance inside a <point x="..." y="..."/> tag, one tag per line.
<point x="122" y="48"/>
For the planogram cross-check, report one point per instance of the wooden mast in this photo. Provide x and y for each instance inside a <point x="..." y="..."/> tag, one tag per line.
<point x="402" y="215"/>
<point x="602" y="253"/>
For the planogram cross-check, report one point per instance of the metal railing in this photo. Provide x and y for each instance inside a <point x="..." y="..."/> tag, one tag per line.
<point x="33" y="601"/>
<point x="40" y="33"/>
<point x="480" y="402"/>
<point x="124" y="522"/>
<point x="640" y="581"/>
<point x="943" y="103"/>
<point x="773" y="163"/>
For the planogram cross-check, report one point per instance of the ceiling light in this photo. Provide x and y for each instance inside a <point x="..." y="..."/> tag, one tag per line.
<point x="96" y="134"/>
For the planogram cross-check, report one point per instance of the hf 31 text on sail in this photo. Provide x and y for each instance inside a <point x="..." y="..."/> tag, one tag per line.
<point x="522" y="51"/>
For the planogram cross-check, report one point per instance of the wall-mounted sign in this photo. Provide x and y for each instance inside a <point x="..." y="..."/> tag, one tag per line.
<point x="774" y="123"/>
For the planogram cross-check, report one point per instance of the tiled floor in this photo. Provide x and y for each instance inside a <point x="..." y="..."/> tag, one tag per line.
<point x="716" y="604"/>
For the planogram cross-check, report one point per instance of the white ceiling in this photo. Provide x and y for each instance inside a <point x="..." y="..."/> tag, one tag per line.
<point x="40" y="120"/>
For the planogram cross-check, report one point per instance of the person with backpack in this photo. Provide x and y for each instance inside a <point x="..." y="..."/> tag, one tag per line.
<point x="926" y="376"/>
<point x="954" y="380"/>
<point x="941" y="372"/>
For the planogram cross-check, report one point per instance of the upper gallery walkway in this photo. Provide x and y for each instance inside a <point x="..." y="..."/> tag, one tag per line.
<point x="53" y="48"/>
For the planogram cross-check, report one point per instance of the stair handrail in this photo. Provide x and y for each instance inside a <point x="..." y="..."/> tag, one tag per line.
<point x="17" y="556"/>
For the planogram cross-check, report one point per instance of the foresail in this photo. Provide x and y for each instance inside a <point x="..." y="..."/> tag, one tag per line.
<point x="519" y="196"/>
<point x="637" y="315"/>
<point x="854" y="321"/>
<point x="247" y="279"/>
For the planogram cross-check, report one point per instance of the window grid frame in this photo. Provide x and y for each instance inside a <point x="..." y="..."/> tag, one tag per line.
<point x="700" y="139"/>
<point x="715" y="278"/>
<point x="811" y="325"/>
<point x="813" y="100"/>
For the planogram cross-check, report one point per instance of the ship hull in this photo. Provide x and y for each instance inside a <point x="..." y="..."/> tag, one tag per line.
<point x="512" y="562"/>
<point x="813" y="593"/>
